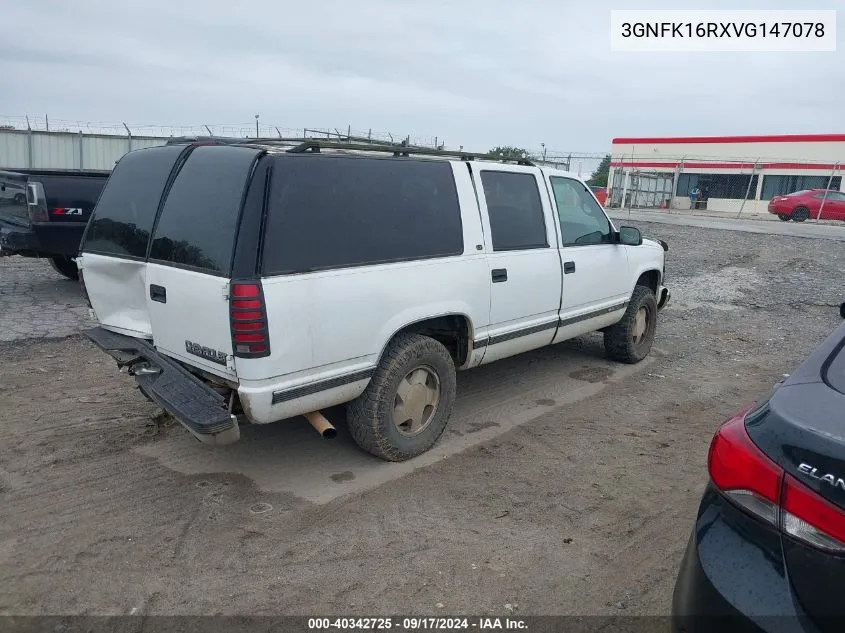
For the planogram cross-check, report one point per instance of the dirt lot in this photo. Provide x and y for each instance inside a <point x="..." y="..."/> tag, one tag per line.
<point x="583" y="508"/>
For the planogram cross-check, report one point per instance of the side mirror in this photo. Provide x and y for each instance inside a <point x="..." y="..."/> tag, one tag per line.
<point x="630" y="236"/>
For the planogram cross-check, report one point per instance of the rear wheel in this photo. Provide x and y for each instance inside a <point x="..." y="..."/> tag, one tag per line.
<point x="65" y="266"/>
<point x="630" y="340"/>
<point x="799" y="214"/>
<point x="409" y="400"/>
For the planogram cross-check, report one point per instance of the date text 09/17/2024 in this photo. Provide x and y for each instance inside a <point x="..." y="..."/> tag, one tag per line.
<point x="417" y="624"/>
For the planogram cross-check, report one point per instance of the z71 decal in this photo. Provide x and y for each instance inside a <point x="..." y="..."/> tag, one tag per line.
<point x="67" y="211"/>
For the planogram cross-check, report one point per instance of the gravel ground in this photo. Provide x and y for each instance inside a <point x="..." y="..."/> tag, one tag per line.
<point x="583" y="510"/>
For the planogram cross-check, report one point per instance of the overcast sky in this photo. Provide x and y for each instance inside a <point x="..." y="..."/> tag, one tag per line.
<point x="476" y="73"/>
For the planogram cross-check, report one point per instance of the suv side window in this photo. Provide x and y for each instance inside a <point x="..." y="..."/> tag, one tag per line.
<point x="126" y="210"/>
<point x="200" y="215"/>
<point x="515" y="210"/>
<point x="330" y="212"/>
<point x="582" y="220"/>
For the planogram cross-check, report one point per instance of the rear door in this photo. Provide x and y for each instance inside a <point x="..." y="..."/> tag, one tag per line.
<point x="521" y="248"/>
<point x="190" y="257"/>
<point x="114" y="247"/>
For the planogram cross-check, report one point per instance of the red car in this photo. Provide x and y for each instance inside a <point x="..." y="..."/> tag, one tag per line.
<point x="601" y="194"/>
<point x="801" y="205"/>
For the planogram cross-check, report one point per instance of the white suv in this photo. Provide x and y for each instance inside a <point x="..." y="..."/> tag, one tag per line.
<point x="255" y="282"/>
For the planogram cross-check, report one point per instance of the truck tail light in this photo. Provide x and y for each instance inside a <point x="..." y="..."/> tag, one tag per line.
<point x="36" y="203"/>
<point x="746" y="476"/>
<point x="248" y="319"/>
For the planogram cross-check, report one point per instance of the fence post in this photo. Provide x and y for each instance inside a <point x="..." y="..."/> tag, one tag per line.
<point x="81" y="150"/>
<point x="128" y="138"/>
<point x="28" y="144"/>
<point x="748" y="189"/>
<point x="826" y="189"/>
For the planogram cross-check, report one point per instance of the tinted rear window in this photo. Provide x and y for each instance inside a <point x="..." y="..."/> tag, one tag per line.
<point x="124" y="215"/>
<point x="335" y="212"/>
<point x="199" y="219"/>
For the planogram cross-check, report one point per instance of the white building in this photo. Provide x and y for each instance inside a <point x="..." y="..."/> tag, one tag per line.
<point x="731" y="172"/>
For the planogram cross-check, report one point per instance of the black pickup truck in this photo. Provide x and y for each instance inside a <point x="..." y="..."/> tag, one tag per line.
<point x="43" y="213"/>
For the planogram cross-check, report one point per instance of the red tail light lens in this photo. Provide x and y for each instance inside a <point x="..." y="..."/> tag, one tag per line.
<point x="250" y="336"/>
<point x="746" y="476"/>
<point x="743" y="472"/>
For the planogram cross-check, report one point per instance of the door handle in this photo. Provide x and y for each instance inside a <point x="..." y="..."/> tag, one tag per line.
<point x="499" y="275"/>
<point x="158" y="293"/>
<point x="568" y="267"/>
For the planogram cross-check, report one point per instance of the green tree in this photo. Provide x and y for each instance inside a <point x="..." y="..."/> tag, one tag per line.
<point x="510" y="153"/>
<point x="600" y="175"/>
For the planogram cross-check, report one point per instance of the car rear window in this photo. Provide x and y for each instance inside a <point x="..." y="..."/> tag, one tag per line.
<point x="199" y="218"/>
<point x="335" y="212"/>
<point x="125" y="212"/>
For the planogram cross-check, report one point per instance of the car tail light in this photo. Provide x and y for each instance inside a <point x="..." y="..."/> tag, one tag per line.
<point x="248" y="318"/>
<point x="746" y="476"/>
<point x="36" y="202"/>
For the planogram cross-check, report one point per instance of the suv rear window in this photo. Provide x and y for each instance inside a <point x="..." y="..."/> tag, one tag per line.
<point x="199" y="219"/>
<point x="335" y="212"/>
<point x="124" y="215"/>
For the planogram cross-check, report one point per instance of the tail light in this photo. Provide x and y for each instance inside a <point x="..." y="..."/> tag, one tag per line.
<point x="36" y="202"/>
<point x="250" y="336"/>
<point x="746" y="476"/>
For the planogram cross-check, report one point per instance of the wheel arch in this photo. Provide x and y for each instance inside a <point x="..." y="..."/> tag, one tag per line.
<point x="452" y="329"/>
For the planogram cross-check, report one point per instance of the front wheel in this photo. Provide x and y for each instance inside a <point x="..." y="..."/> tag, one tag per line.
<point x="800" y="214"/>
<point x="630" y="340"/>
<point x="409" y="400"/>
<point x="784" y="218"/>
<point x="65" y="266"/>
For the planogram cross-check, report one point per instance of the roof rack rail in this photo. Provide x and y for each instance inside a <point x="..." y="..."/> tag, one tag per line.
<point x="314" y="145"/>
<point x="397" y="149"/>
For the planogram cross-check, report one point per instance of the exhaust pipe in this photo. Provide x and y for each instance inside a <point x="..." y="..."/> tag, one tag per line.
<point x="321" y="424"/>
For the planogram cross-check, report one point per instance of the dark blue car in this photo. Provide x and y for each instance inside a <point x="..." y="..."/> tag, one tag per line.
<point x="768" y="549"/>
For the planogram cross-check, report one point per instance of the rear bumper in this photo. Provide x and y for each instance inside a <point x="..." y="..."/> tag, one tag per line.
<point x="41" y="239"/>
<point x="732" y="578"/>
<point x="15" y="239"/>
<point x="197" y="406"/>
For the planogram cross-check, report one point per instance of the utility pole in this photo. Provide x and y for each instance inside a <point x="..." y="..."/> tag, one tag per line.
<point x="256" y="126"/>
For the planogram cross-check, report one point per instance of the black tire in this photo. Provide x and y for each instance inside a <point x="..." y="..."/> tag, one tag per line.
<point x="65" y="266"/>
<point x="371" y="416"/>
<point x="800" y="214"/>
<point x="784" y="218"/>
<point x="620" y="343"/>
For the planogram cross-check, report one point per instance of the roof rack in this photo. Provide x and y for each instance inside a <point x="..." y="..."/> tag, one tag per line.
<point x="314" y="146"/>
<point x="399" y="149"/>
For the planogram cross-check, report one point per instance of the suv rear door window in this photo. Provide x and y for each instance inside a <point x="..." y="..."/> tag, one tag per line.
<point x="200" y="215"/>
<point x="335" y="212"/>
<point x="124" y="215"/>
<point x="515" y="210"/>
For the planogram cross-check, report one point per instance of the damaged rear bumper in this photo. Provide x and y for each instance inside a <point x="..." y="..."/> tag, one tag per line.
<point x="197" y="406"/>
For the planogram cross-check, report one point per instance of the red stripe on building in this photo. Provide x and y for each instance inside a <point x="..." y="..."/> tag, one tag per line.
<point x="698" y="165"/>
<point x="777" y="138"/>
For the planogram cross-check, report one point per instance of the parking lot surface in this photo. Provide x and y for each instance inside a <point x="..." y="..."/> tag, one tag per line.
<point x="565" y="484"/>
